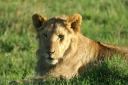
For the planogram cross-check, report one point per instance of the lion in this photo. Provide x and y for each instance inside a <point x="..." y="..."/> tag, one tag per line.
<point x="63" y="50"/>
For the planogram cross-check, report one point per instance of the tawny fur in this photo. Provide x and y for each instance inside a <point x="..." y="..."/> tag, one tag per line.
<point x="79" y="52"/>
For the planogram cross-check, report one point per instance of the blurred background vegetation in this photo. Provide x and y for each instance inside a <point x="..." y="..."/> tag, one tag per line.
<point x="103" y="20"/>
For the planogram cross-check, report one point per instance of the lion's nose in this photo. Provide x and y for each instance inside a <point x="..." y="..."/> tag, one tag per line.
<point x="50" y="55"/>
<point x="50" y="58"/>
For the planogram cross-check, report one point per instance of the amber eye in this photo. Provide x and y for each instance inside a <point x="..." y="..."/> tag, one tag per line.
<point x="61" y="37"/>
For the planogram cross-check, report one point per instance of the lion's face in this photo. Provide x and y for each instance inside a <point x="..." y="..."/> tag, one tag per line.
<point x="55" y="37"/>
<point x="54" y="40"/>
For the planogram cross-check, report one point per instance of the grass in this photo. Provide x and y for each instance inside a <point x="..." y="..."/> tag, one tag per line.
<point x="103" y="20"/>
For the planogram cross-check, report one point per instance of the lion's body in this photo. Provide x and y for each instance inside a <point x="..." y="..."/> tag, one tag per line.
<point x="79" y="56"/>
<point x="63" y="50"/>
<point x="70" y="51"/>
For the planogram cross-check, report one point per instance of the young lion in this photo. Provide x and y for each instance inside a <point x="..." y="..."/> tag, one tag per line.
<point x="63" y="50"/>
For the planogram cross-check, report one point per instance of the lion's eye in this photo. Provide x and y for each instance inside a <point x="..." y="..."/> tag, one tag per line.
<point x="61" y="37"/>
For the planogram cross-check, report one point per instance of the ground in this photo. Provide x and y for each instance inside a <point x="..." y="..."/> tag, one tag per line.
<point x="103" y="20"/>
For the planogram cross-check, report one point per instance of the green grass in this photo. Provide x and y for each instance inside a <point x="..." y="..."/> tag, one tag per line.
<point x="103" y="20"/>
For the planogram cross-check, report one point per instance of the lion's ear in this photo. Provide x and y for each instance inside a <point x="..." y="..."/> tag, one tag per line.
<point x="75" y="22"/>
<point x="38" y="21"/>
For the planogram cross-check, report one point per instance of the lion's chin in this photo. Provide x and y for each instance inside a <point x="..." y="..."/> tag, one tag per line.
<point x="52" y="62"/>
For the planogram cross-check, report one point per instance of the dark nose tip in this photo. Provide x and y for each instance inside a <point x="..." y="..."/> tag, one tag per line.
<point x="50" y="58"/>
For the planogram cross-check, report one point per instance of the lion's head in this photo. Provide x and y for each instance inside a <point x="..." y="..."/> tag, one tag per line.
<point x="56" y="35"/>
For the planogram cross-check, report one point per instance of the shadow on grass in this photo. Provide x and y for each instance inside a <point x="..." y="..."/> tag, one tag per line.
<point x="96" y="74"/>
<point x="102" y="74"/>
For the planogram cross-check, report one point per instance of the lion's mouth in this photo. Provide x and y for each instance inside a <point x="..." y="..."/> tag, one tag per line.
<point x="52" y="61"/>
